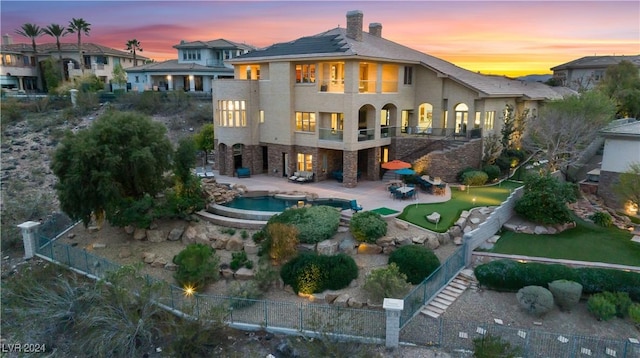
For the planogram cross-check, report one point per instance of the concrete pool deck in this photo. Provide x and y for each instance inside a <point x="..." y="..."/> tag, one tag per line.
<point x="369" y="194"/>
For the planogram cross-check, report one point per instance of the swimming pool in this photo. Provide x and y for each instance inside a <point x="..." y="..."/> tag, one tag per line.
<point x="279" y="204"/>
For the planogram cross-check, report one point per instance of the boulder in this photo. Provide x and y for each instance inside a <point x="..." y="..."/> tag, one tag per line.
<point x="234" y="244"/>
<point x="318" y="298"/>
<point x="369" y="249"/>
<point x="462" y="222"/>
<point x="434" y="217"/>
<point x="540" y="230"/>
<point x="510" y="227"/>
<point x="226" y="273"/>
<point x="156" y="235"/>
<point x="342" y="300"/>
<point x="189" y="235"/>
<point x="419" y="240"/>
<point x="159" y="262"/>
<point x="455" y="231"/>
<point x="402" y="241"/>
<point x="244" y="273"/>
<point x="457" y="240"/>
<point x="124" y="253"/>
<point x="170" y="266"/>
<point x="475" y="221"/>
<point x="354" y="303"/>
<point x="306" y="247"/>
<point x="202" y="238"/>
<point x="329" y="297"/>
<point x="464" y="214"/>
<point x="327" y="247"/>
<point x="175" y="234"/>
<point x="467" y="229"/>
<point x="348" y="245"/>
<point x="443" y="238"/>
<point x="139" y="234"/>
<point x="493" y="239"/>
<point x="386" y="241"/>
<point x="148" y="257"/>
<point x="402" y="225"/>
<point x="250" y="247"/>
<point x="387" y="250"/>
<point x="432" y="243"/>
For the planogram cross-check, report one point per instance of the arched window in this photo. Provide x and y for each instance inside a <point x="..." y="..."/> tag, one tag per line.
<point x="425" y="117"/>
<point x="462" y="115"/>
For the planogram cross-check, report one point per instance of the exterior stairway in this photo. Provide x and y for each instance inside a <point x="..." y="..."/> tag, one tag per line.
<point x="439" y="304"/>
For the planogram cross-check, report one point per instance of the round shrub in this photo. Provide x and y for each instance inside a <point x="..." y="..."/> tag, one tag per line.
<point x="474" y="178"/>
<point x="535" y="300"/>
<point x="197" y="266"/>
<point x="311" y="273"/>
<point x="386" y="282"/>
<point x="314" y="224"/>
<point x="621" y="300"/>
<point x="601" y="218"/>
<point x="492" y="171"/>
<point x="367" y="226"/>
<point x="459" y="175"/>
<point x="566" y="293"/>
<point x="416" y="262"/>
<point x="600" y="307"/>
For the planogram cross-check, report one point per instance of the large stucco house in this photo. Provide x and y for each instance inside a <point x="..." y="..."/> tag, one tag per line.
<point x="19" y="71"/>
<point x="586" y="72"/>
<point x="198" y="63"/>
<point x="348" y="100"/>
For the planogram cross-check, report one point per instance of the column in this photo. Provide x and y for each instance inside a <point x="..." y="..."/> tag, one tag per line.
<point x="21" y="83"/>
<point x="192" y="83"/>
<point x="350" y="169"/>
<point x="170" y="82"/>
<point x="393" y="307"/>
<point x="29" y="230"/>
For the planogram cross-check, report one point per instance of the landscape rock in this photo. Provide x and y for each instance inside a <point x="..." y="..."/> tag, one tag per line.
<point x="354" y="303"/>
<point x="385" y="241"/>
<point x="457" y="240"/>
<point x="124" y="253"/>
<point x="139" y="234"/>
<point x="327" y="247"/>
<point x="455" y="231"/>
<point x="402" y="225"/>
<point x="318" y="298"/>
<point x="170" y="266"/>
<point x="402" y="241"/>
<point x="220" y="243"/>
<point x="189" y="235"/>
<point x="369" y="249"/>
<point x="330" y="296"/>
<point x="387" y="250"/>
<point x="348" y="245"/>
<point x="148" y="257"/>
<point x="250" y="247"/>
<point x="99" y="245"/>
<point x="159" y="262"/>
<point x="306" y="247"/>
<point x="244" y="273"/>
<point x="467" y="229"/>
<point x="234" y="244"/>
<point x="493" y="239"/>
<point x="443" y="238"/>
<point x="226" y="273"/>
<point x="175" y="234"/>
<point x="474" y="221"/>
<point x="156" y="235"/>
<point x="419" y="240"/>
<point x="432" y="243"/>
<point x="464" y="214"/>
<point x="540" y="230"/>
<point x="462" y="223"/>
<point x="342" y="300"/>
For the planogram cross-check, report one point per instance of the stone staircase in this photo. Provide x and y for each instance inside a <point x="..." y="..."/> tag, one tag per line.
<point x="439" y="304"/>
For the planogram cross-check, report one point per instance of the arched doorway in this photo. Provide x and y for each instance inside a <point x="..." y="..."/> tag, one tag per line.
<point x="237" y="156"/>
<point x="462" y="118"/>
<point x="388" y="119"/>
<point x="425" y="118"/>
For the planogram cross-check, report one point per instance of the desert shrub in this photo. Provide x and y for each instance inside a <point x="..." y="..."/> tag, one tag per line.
<point x="243" y="294"/>
<point x="566" y="293"/>
<point x="492" y="171"/>
<point x="197" y="266"/>
<point x="460" y="174"/>
<point x="314" y="224"/>
<point x="386" y="282"/>
<point x="238" y="260"/>
<point x="634" y="313"/>
<point x="258" y="236"/>
<point x="489" y="346"/>
<point x="310" y="273"/>
<point x="601" y="218"/>
<point x="545" y="200"/>
<point x="281" y="242"/>
<point x="535" y="300"/>
<point x="228" y="231"/>
<point x="621" y="300"/>
<point x="367" y="226"/>
<point x="244" y="234"/>
<point x="416" y="262"/>
<point x="12" y="111"/>
<point x="265" y="276"/>
<point x="474" y="178"/>
<point x="503" y="162"/>
<point x="600" y="306"/>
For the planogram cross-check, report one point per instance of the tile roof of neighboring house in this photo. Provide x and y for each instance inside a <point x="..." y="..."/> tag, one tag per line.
<point x="597" y="62"/>
<point x="627" y="127"/>
<point x="88" y="48"/>
<point x="218" y="43"/>
<point x="175" y="66"/>
<point x="335" y="44"/>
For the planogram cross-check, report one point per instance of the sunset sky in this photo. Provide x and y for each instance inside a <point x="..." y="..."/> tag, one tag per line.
<point x="498" y="37"/>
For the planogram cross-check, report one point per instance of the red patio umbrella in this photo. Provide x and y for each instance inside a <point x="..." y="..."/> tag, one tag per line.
<point x="396" y="164"/>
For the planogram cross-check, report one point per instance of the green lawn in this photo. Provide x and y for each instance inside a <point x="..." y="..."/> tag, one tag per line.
<point x="460" y="200"/>
<point x="586" y="242"/>
<point x="384" y="211"/>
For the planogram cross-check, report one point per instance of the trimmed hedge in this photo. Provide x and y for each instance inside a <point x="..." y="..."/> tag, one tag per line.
<point x="311" y="273"/>
<point x="417" y="262"/>
<point x="474" y="178"/>
<point x="508" y="275"/>
<point x="314" y="224"/>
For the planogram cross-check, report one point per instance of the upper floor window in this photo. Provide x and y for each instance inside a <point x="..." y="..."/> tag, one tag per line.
<point x="408" y="75"/>
<point x="116" y="61"/>
<point x="489" y="118"/>
<point x="102" y="60"/>
<point x="191" y="55"/>
<point x="306" y="73"/>
<point x="7" y="60"/>
<point x="232" y="113"/>
<point x="305" y="121"/>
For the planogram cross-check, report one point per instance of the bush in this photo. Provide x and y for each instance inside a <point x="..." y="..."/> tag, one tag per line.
<point x="566" y="293"/>
<point x="601" y="218"/>
<point x="314" y="224"/>
<point x="243" y="294"/>
<point x="367" y="226"/>
<point x="492" y="171"/>
<point x="386" y="282"/>
<point x="545" y="200"/>
<point x="460" y="174"/>
<point x="601" y="307"/>
<point x="416" y="262"/>
<point x="634" y="313"/>
<point x="621" y="300"/>
<point x="281" y="243"/>
<point x="197" y="266"/>
<point x="311" y="273"/>
<point x="474" y="178"/>
<point x="488" y="346"/>
<point x="238" y="260"/>
<point x="265" y="277"/>
<point x="535" y="300"/>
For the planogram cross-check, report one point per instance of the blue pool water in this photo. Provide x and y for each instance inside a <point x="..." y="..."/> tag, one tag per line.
<point x="270" y="203"/>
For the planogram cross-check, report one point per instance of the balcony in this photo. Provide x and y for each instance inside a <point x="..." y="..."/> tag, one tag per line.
<point x="366" y="134"/>
<point x="366" y="86"/>
<point x="389" y="86"/>
<point x="331" y="134"/>
<point x="388" y="131"/>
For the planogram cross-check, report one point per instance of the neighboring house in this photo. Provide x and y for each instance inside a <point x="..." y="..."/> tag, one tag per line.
<point x="345" y="100"/>
<point x="585" y="73"/>
<point x="197" y="64"/>
<point x="621" y="137"/>
<point x="18" y="71"/>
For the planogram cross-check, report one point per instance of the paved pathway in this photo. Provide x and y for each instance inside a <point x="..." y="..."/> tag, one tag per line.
<point x="370" y="194"/>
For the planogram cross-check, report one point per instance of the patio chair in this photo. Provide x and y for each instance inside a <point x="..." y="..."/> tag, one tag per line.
<point x="200" y="172"/>
<point x="355" y="207"/>
<point x="208" y="172"/>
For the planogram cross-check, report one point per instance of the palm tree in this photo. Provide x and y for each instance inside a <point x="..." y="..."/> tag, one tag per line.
<point x="57" y="31"/>
<point x="31" y="31"/>
<point x="79" y="26"/>
<point x="132" y="46"/>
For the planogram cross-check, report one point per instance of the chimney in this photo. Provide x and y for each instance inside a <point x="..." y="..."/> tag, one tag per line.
<point x="354" y="24"/>
<point x="375" y="29"/>
<point x="7" y="39"/>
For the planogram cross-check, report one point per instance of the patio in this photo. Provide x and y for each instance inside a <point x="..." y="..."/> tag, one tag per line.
<point x="370" y="194"/>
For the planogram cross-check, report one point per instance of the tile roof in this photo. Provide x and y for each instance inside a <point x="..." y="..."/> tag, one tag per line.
<point x="623" y="127"/>
<point x="88" y="48"/>
<point x="597" y="62"/>
<point x="218" y="44"/>
<point x="335" y="44"/>
<point x="175" y="66"/>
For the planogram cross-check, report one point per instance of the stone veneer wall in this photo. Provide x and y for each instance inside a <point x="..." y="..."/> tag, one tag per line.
<point x="350" y="169"/>
<point x="402" y="147"/>
<point x="274" y="155"/>
<point x="446" y="164"/>
<point x="605" y="189"/>
<point x="373" y="164"/>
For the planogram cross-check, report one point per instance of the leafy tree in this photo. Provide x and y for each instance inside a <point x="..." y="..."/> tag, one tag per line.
<point x="133" y="45"/>
<point x="545" y="200"/>
<point x="628" y="186"/>
<point x="31" y="31"/>
<point x="184" y="159"/>
<point x="197" y="266"/>
<point x="564" y="128"/>
<point x="386" y="282"/>
<point x="491" y="149"/>
<point x="57" y="31"/>
<point x="120" y="158"/>
<point x="79" y="26"/>
<point x="205" y="139"/>
<point x="51" y="72"/>
<point x="512" y="127"/>
<point x="621" y="83"/>
<point x="119" y="75"/>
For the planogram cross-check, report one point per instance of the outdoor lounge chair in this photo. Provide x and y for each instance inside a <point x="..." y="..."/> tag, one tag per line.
<point x="200" y="172"/>
<point x="355" y="207"/>
<point x="208" y="172"/>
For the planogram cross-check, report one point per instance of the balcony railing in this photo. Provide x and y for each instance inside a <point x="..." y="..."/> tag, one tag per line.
<point x="389" y="86"/>
<point x="331" y="134"/>
<point x="388" y="131"/>
<point x="366" y="134"/>
<point x="214" y="62"/>
<point x="367" y="86"/>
